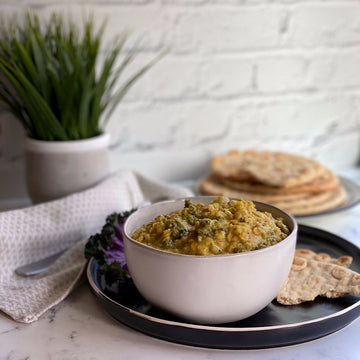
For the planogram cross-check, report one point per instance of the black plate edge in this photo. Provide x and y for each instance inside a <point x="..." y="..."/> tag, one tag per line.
<point x="210" y="340"/>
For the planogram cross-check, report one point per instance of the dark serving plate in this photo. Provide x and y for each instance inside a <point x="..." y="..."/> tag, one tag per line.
<point x="276" y="325"/>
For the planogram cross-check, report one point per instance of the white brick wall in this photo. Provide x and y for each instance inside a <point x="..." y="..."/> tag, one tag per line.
<point x="278" y="74"/>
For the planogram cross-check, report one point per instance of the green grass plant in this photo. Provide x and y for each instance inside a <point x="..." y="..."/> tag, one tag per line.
<point x="56" y="80"/>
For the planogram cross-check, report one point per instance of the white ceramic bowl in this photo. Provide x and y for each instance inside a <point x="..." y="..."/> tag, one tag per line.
<point x="208" y="289"/>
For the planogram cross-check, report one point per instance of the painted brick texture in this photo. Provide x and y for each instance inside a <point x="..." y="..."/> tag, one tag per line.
<point x="278" y="74"/>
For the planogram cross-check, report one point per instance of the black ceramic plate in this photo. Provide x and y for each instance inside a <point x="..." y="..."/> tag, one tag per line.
<point x="276" y="325"/>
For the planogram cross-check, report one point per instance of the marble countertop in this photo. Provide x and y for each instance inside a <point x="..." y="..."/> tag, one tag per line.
<point x="79" y="328"/>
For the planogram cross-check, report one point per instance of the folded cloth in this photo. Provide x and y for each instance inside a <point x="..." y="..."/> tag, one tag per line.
<point x="32" y="233"/>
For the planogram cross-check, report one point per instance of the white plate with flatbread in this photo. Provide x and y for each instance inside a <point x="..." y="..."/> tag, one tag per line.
<point x="351" y="189"/>
<point x="352" y="197"/>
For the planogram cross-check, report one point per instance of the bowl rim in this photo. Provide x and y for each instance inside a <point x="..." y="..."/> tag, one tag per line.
<point x="219" y="256"/>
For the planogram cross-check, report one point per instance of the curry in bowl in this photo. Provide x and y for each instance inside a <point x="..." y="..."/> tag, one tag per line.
<point x="217" y="288"/>
<point x="222" y="227"/>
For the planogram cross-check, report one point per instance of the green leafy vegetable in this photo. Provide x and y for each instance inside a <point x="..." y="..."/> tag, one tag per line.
<point x="107" y="247"/>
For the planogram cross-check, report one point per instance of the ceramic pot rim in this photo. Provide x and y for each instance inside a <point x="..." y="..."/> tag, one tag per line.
<point x="41" y="146"/>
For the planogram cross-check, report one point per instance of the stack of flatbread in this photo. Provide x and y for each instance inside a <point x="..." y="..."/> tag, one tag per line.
<point x="295" y="183"/>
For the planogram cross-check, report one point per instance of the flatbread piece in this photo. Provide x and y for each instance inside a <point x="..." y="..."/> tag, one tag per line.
<point x="314" y="275"/>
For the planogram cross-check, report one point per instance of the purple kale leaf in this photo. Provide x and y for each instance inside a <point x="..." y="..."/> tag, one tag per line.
<point x="116" y="252"/>
<point x="107" y="247"/>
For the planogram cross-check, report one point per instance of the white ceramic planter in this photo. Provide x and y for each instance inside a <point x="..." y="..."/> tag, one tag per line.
<point x="58" y="168"/>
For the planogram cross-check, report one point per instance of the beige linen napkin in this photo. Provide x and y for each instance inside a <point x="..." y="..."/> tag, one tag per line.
<point x="37" y="231"/>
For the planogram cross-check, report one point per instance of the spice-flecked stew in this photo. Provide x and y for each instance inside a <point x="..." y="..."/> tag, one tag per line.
<point x="223" y="227"/>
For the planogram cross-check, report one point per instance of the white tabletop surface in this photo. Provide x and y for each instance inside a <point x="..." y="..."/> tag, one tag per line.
<point x="79" y="328"/>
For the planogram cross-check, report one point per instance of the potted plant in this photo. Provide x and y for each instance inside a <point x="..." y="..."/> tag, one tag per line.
<point x="53" y="82"/>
